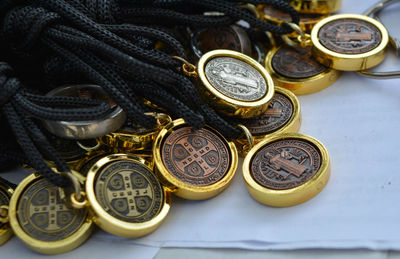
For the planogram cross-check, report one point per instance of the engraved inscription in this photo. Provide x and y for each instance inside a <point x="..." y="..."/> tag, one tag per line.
<point x="196" y="157"/>
<point x="350" y="36"/>
<point x="285" y="164"/>
<point x="43" y="215"/>
<point x="280" y="110"/>
<point x="236" y="79"/>
<point x="129" y="191"/>
<point x="296" y="63"/>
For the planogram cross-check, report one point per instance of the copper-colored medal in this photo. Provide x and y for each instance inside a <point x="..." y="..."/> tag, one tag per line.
<point x="350" y="36"/>
<point x="285" y="164"/>
<point x="286" y="169"/>
<point x="194" y="163"/>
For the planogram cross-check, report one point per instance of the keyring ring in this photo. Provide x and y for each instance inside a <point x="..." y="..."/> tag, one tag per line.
<point x="374" y="10"/>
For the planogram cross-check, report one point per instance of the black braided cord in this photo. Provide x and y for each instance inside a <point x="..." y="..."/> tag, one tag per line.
<point x="114" y="44"/>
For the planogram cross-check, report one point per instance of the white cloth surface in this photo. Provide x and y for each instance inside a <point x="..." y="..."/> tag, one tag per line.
<point x="358" y="121"/>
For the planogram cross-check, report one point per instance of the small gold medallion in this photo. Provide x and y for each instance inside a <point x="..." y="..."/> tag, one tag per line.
<point x="194" y="163"/>
<point x="286" y="169"/>
<point x="234" y="84"/>
<point x="295" y="68"/>
<point x="6" y="192"/>
<point x="125" y="196"/>
<point x="349" y="42"/>
<point x="43" y="221"/>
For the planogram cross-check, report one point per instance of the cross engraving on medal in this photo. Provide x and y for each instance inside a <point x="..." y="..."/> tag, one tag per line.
<point x="129" y="192"/>
<point x="52" y="208"/>
<point x="283" y="161"/>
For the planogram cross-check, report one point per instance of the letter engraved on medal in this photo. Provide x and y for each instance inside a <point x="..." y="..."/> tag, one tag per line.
<point x="44" y="216"/>
<point x="349" y="36"/>
<point x="235" y="79"/>
<point x="285" y="164"/>
<point x="129" y="191"/>
<point x="197" y="157"/>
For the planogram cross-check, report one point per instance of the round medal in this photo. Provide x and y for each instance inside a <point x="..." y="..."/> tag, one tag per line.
<point x="295" y="68"/>
<point x="195" y="163"/>
<point x="349" y="42"/>
<point x="6" y="192"/>
<point x="234" y="84"/>
<point x="41" y="219"/>
<point x="286" y="169"/>
<point x="125" y="196"/>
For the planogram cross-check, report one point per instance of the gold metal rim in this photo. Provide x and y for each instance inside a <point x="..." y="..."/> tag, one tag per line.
<point x="6" y="231"/>
<point x="45" y="247"/>
<point x="288" y="197"/>
<point x="111" y="224"/>
<point x="300" y="86"/>
<point x="185" y="190"/>
<point x="240" y="56"/>
<point x="319" y="48"/>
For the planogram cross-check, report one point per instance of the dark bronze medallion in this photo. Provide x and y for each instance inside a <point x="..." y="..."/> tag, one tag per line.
<point x="227" y="37"/>
<point x="279" y="112"/>
<point x="285" y="164"/>
<point x="349" y="36"/>
<point x="129" y="191"/>
<point x="297" y="63"/>
<point x="270" y="11"/>
<point x="42" y="214"/>
<point x="196" y="157"/>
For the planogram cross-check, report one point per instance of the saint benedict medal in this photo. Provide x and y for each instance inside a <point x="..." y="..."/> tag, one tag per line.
<point x="282" y="116"/>
<point x="125" y="196"/>
<point x="295" y="68"/>
<point x="194" y="163"/>
<point x="349" y="42"/>
<point x="6" y="192"/>
<point x="42" y="221"/>
<point x="234" y="84"/>
<point x="286" y="169"/>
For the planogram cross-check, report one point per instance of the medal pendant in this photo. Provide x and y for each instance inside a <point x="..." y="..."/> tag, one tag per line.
<point x="282" y="116"/>
<point x="286" y="169"/>
<point x="195" y="164"/>
<point x="5" y="195"/>
<point x="349" y="42"/>
<point x="316" y="6"/>
<point x="42" y="221"/>
<point x="234" y="84"/>
<point x="295" y="68"/>
<point x="125" y="196"/>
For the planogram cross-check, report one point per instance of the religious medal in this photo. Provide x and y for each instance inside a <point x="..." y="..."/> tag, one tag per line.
<point x="349" y="42"/>
<point x="125" y="196"/>
<point x="316" y="6"/>
<point x="6" y="192"/>
<point x="286" y="169"/>
<point x="40" y="218"/>
<point x="234" y="84"/>
<point x="294" y="68"/>
<point x="194" y="163"/>
<point x="282" y="116"/>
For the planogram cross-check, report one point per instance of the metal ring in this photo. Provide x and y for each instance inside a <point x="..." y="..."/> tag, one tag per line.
<point x="75" y="184"/>
<point x="248" y="135"/>
<point x="162" y="118"/>
<point x="303" y="38"/>
<point x="374" y="10"/>
<point x="79" y="203"/>
<point x="88" y="149"/>
<point x="85" y="129"/>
